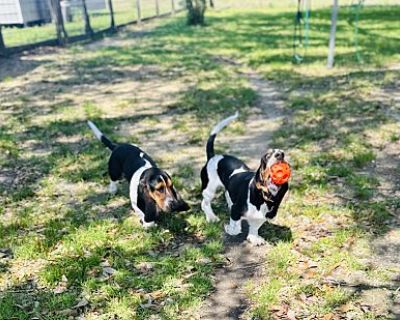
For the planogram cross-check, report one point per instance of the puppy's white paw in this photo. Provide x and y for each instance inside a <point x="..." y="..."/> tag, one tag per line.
<point x="256" y="240"/>
<point x="148" y="225"/>
<point x="233" y="230"/>
<point x="212" y="218"/>
<point x="113" y="188"/>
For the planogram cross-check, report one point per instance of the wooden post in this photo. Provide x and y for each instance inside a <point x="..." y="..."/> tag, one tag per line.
<point x="2" y="45"/>
<point x="157" y="8"/>
<point x="173" y="6"/>
<point x="332" y="38"/>
<point x="139" y="12"/>
<point x="57" y="18"/>
<point x="86" y="18"/>
<point x="110" y="7"/>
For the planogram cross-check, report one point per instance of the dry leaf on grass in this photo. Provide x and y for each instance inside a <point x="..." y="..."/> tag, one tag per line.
<point x="345" y="307"/>
<point x="291" y="315"/>
<point x="81" y="304"/>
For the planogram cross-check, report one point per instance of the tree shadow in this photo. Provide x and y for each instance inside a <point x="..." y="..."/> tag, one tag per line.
<point x="272" y="233"/>
<point x="29" y="300"/>
<point x="16" y="66"/>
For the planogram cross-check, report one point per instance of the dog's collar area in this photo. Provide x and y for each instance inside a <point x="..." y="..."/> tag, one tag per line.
<point x="268" y="191"/>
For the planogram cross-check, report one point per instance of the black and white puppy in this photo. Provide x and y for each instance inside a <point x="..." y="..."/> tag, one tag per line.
<point x="250" y="195"/>
<point x="150" y="189"/>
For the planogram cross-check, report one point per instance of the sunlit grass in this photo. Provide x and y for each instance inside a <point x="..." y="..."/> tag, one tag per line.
<point x="60" y="221"/>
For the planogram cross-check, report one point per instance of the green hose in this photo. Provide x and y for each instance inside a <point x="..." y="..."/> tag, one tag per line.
<point x="302" y="21"/>
<point x="356" y="10"/>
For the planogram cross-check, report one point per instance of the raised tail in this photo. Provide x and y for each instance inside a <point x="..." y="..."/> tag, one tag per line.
<point x="99" y="135"/>
<point x="222" y="124"/>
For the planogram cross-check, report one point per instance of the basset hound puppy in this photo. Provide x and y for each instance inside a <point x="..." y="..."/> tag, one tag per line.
<point x="151" y="189"/>
<point x="252" y="196"/>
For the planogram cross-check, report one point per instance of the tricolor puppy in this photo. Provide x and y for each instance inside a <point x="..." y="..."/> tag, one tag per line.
<point x="250" y="195"/>
<point x="150" y="188"/>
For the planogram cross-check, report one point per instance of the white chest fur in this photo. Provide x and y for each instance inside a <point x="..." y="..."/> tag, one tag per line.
<point x="134" y="184"/>
<point x="254" y="213"/>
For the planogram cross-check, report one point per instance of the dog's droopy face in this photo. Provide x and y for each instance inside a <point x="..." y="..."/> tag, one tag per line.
<point x="160" y="188"/>
<point x="271" y="157"/>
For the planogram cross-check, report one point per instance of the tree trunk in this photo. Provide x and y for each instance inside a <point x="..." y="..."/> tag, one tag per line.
<point x="157" y="8"/>
<point x="86" y="18"/>
<point x="211" y="3"/>
<point x="56" y="15"/>
<point x="173" y="6"/>
<point x="2" y="45"/>
<point x="139" y="11"/>
<point x="110" y="6"/>
<point x="196" y="10"/>
<point x="332" y="38"/>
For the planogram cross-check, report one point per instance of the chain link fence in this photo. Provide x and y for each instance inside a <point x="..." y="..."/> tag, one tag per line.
<point x="30" y="23"/>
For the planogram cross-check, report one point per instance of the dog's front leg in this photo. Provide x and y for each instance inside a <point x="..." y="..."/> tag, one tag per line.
<point x="253" y="237"/>
<point x="235" y="226"/>
<point x="145" y="221"/>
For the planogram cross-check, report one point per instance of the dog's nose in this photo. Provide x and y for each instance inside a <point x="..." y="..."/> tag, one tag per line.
<point x="279" y="155"/>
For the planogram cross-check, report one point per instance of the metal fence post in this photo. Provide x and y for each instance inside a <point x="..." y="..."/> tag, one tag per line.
<point x="157" y="8"/>
<point x="86" y="18"/>
<point x="110" y="7"/>
<point x="139" y="12"/>
<point x="2" y="45"/>
<point x="173" y="6"/>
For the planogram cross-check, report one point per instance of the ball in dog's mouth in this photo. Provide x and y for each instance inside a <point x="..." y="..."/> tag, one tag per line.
<point x="280" y="172"/>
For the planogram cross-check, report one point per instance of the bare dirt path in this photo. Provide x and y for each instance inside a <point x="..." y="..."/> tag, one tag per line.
<point x="244" y="262"/>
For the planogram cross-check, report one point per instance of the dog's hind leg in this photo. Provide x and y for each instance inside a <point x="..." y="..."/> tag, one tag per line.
<point x="228" y="200"/>
<point x="210" y="184"/>
<point x="115" y="172"/>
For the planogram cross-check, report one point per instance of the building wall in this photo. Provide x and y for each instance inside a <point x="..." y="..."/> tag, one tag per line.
<point x="10" y="12"/>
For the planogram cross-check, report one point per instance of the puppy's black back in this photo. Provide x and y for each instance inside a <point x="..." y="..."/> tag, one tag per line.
<point x="125" y="160"/>
<point x="227" y="165"/>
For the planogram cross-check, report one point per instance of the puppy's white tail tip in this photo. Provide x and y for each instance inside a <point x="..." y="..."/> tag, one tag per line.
<point x="224" y="123"/>
<point x="95" y="130"/>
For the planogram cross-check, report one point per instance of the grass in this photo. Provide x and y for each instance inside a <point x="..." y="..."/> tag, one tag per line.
<point x="71" y="249"/>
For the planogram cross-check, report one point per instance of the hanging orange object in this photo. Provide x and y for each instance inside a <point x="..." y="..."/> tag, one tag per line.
<point x="280" y="172"/>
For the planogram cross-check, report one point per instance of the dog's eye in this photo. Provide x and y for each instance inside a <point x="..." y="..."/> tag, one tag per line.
<point x="161" y="189"/>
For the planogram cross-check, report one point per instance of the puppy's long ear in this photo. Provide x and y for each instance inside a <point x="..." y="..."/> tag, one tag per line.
<point x="179" y="204"/>
<point x="262" y="172"/>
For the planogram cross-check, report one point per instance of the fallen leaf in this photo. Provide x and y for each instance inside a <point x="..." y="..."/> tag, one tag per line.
<point x="104" y="264"/>
<point x="328" y="316"/>
<point x="275" y="308"/>
<point x="148" y="304"/>
<point x="345" y="307"/>
<point x="365" y="308"/>
<point x="145" y="267"/>
<point x="60" y="289"/>
<point x="68" y="312"/>
<point x="81" y="304"/>
<point x="109" y="270"/>
<point x="204" y="260"/>
<point x="157" y="294"/>
<point x="291" y="315"/>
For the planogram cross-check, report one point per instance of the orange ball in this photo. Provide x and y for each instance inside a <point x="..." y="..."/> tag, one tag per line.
<point x="280" y="173"/>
